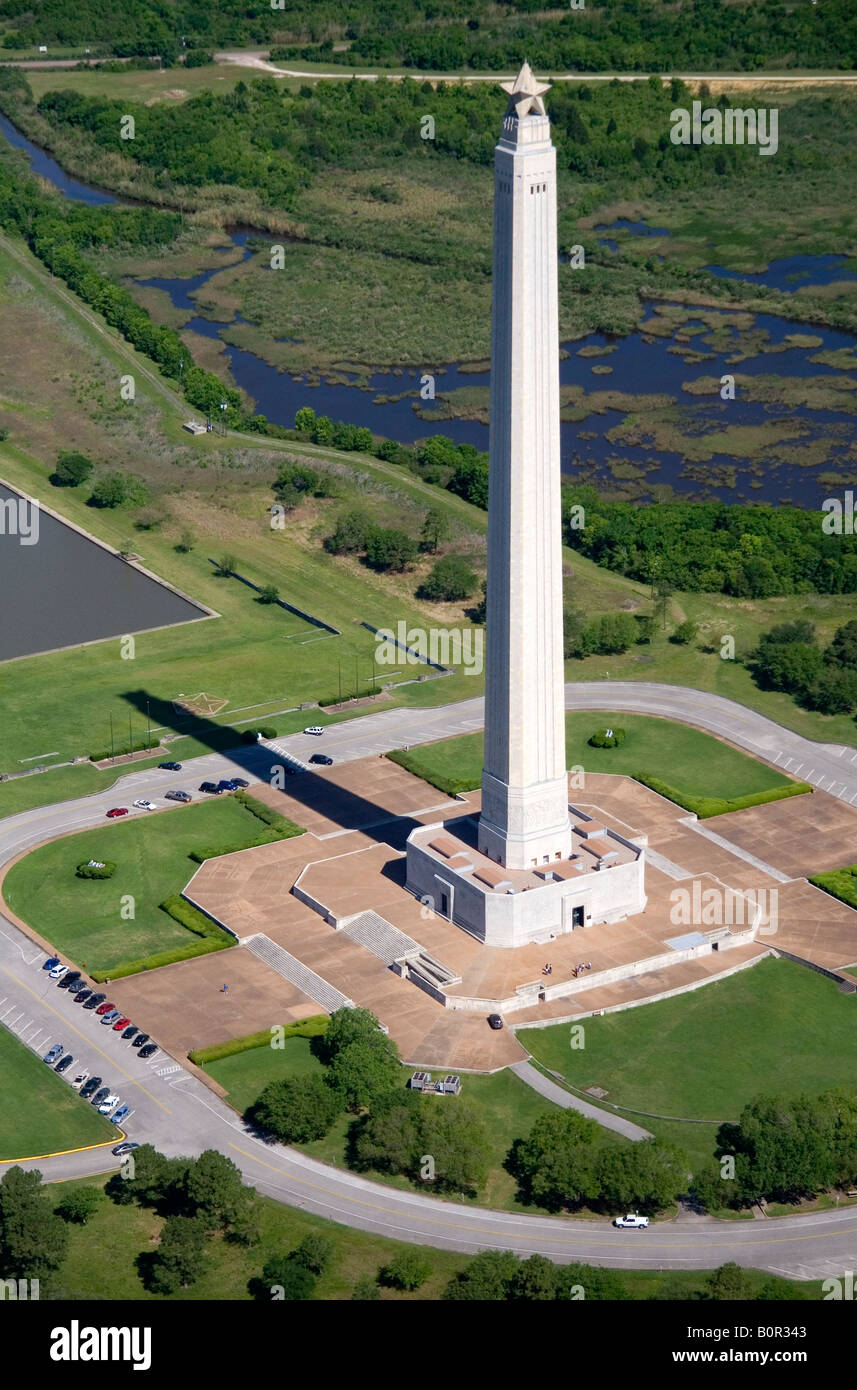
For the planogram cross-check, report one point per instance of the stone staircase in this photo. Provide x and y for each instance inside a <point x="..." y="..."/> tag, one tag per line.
<point x="296" y="972"/>
<point x="379" y="936"/>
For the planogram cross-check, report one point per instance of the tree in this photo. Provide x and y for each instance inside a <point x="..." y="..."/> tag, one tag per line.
<point x="451" y="578"/>
<point x="180" y="1258"/>
<point x="295" y="481"/>
<point x="186" y="541"/>
<point x="72" y="469"/>
<point x="111" y="490"/>
<point x="154" y="1177"/>
<point x="297" y="1109"/>
<point x="364" y="1071"/>
<point x="344" y="1027"/>
<point x="389" y="1138"/>
<point x="226" y="566"/>
<point x="843" y="649"/>
<point x="456" y="1136"/>
<point x="436" y="528"/>
<point x="33" y="1240"/>
<point x="269" y="593"/>
<point x="485" y="1280"/>
<point x="77" y="1207"/>
<point x="285" y="1279"/>
<point x="350" y="534"/>
<point x="387" y="548"/>
<point x="729" y="1284"/>
<point x="786" y="1147"/>
<point x="315" y="1253"/>
<point x="793" y="667"/>
<point x="305" y="420"/>
<point x="647" y="1174"/>
<point x="213" y="1189"/>
<point x="408" y="1270"/>
<point x="366" y="1291"/>
<point x="685" y="632"/>
<point x="556" y="1161"/>
<point x="835" y="690"/>
<point x="534" y="1281"/>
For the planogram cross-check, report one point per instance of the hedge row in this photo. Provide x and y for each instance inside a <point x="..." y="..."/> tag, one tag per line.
<point x="707" y="806"/>
<point x="136" y="747"/>
<point x="269" y="837"/>
<point x="189" y="916"/>
<point x="285" y="827"/>
<point x="135" y="967"/>
<point x="452" y="786"/>
<point x="839" y="883"/>
<point x="307" y="1028"/>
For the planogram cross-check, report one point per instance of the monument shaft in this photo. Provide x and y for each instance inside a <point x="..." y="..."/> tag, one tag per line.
<point x="524" y="820"/>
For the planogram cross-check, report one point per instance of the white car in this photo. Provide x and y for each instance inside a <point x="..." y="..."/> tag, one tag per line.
<point x="632" y="1222"/>
<point x="315" y="729"/>
<point x="79" y="1079"/>
<point x="144" y="805"/>
<point x="58" y="972"/>
<point x="107" y="1104"/>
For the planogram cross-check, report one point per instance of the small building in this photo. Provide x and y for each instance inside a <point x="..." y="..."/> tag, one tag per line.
<point x="194" y="427"/>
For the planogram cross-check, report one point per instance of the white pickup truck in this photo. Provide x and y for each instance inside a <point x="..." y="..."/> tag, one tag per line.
<point x="632" y="1222"/>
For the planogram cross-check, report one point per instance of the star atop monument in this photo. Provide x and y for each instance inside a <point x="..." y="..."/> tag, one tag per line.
<point x="525" y="94"/>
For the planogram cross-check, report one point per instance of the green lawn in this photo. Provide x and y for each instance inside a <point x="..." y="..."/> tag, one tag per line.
<point x="509" y="1107"/>
<point x="691" y="761"/>
<point x="774" y="1029"/>
<point x="101" y="1259"/>
<point x="81" y="917"/>
<point x="40" y="1113"/>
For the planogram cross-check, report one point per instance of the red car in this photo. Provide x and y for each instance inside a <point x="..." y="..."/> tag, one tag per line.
<point x="121" y="1023"/>
<point x="105" y="1008"/>
<point x="117" y="811"/>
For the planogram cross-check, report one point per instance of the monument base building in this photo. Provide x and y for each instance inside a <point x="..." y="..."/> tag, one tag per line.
<point x="601" y="880"/>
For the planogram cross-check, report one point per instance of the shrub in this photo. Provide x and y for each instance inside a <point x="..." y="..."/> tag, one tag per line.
<point x="685" y="633"/>
<point x="407" y="1270"/>
<point x="297" y="1109"/>
<point x="269" y="593"/>
<point x="450" y="579"/>
<point x="225" y="566"/>
<point x="705" y="806"/>
<point x="72" y="469"/>
<point x="390" y="549"/>
<point x="607" y="738"/>
<point x="138" y="746"/>
<point x="266" y="813"/>
<point x="115" y="490"/>
<point x="189" y="916"/>
<point x="315" y="1253"/>
<point x="306" y="1028"/>
<point x="96" y="870"/>
<point x="134" y="967"/>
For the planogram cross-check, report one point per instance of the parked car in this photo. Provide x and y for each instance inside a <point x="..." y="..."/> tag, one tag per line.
<point x="117" y="811"/>
<point x="130" y="1031"/>
<point x="90" y="1087"/>
<point x="105" y="1008"/>
<point x="53" y="1055"/>
<point x="64" y="1063"/>
<point x="100" y="1096"/>
<point x="632" y="1222"/>
<point x="321" y="758"/>
<point x="79" y="1079"/>
<point x="178" y="796"/>
<point x="227" y="785"/>
<point x="82" y="994"/>
<point x="111" y="1016"/>
<point x="211" y="787"/>
<point x="51" y="963"/>
<point x="149" y="1050"/>
<point x="127" y="1146"/>
<point x="71" y="977"/>
<point x="107" y="1104"/>
<point x="145" y="805"/>
<point x="94" y="1000"/>
<point x="315" y="729"/>
<point x="58" y="972"/>
<point x="495" y="1021"/>
<point x="120" y="1024"/>
<point x="171" y="767"/>
<point x="140" y="1039"/>
<point x="239" y="782"/>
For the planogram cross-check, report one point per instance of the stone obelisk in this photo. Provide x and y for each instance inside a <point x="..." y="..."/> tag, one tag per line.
<point x="524" y="820"/>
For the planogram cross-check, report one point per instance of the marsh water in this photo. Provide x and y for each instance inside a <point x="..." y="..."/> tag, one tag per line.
<point x="817" y="444"/>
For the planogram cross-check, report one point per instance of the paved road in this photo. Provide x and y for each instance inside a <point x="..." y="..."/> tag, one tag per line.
<point x="180" y="1115"/>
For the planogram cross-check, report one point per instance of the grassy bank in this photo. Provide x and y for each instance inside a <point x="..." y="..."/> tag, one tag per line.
<point x="40" y="1113"/>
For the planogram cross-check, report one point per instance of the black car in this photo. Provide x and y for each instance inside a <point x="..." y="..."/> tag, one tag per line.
<point x="321" y="758"/>
<point x="82" y="994"/>
<point x="130" y="1030"/>
<point x="100" y="1096"/>
<point x="239" y="782"/>
<point x="495" y="1021"/>
<point x="94" y="1000"/>
<point x="140" y="1039"/>
<point x="64" y="1063"/>
<point x="178" y="796"/>
<point x="90" y="1087"/>
<point x="171" y="767"/>
<point x="127" y="1147"/>
<point x="149" y="1050"/>
<point x="211" y="787"/>
<point x="72" y="978"/>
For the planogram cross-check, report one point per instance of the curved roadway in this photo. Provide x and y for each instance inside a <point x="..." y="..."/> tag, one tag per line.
<point x="179" y="1114"/>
